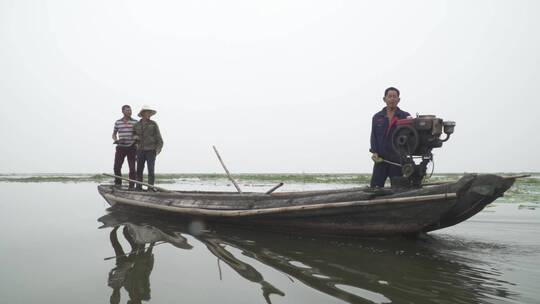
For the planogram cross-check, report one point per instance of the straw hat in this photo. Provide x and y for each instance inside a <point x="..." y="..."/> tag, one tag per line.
<point x="147" y="108"/>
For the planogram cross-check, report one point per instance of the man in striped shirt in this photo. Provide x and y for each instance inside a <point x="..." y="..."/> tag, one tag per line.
<point x="125" y="146"/>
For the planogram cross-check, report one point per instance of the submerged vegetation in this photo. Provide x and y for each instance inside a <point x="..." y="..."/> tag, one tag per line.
<point x="307" y="178"/>
<point x="170" y="178"/>
<point x="524" y="190"/>
<point x="53" y="178"/>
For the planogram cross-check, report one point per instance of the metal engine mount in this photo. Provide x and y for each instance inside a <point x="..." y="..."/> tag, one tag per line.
<point x="414" y="138"/>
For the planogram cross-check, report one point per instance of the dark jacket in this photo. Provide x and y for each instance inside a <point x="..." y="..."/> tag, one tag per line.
<point x="147" y="136"/>
<point x="381" y="133"/>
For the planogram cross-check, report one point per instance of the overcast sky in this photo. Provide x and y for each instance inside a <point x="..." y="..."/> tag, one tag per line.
<point x="277" y="86"/>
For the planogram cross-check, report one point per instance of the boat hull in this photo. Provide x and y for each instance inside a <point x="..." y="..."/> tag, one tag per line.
<point x="355" y="211"/>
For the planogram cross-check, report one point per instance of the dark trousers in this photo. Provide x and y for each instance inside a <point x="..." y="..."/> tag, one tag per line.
<point x="119" y="156"/>
<point x="148" y="157"/>
<point x="381" y="172"/>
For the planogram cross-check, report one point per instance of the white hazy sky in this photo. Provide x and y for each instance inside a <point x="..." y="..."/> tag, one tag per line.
<point x="277" y="86"/>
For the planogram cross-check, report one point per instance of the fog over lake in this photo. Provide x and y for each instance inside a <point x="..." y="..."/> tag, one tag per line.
<point x="277" y="86"/>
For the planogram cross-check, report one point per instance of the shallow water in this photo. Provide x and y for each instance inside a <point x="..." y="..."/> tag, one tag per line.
<point x="54" y="251"/>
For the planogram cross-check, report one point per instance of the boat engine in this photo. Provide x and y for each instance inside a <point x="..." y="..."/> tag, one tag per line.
<point x="414" y="138"/>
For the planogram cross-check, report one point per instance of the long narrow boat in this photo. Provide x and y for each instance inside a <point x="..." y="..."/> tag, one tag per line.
<point x="353" y="211"/>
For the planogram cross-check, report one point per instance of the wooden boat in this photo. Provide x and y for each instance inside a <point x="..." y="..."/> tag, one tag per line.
<point x="354" y="211"/>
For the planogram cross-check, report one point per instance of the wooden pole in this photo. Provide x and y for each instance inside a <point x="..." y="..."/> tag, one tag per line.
<point x="226" y="170"/>
<point x="517" y="176"/>
<point x="137" y="182"/>
<point x="504" y="177"/>
<point x="274" y="210"/>
<point x="275" y="188"/>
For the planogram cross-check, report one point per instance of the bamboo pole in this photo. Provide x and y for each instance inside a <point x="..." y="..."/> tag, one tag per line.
<point x="453" y="181"/>
<point x="275" y="188"/>
<point x="137" y="182"/>
<point x="274" y="210"/>
<point x="438" y="183"/>
<point x="516" y="176"/>
<point x="226" y="170"/>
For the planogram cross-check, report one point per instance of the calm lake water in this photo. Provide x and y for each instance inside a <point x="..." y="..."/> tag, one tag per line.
<point x="59" y="244"/>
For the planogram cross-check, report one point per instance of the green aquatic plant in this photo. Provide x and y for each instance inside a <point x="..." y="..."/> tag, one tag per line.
<point x="525" y="191"/>
<point x="169" y="178"/>
<point x="53" y="178"/>
<point x="529" y="207"/>
<point x="526" y="187"/>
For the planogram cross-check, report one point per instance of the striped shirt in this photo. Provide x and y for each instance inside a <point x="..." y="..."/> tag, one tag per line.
<point x="125" y="132"/>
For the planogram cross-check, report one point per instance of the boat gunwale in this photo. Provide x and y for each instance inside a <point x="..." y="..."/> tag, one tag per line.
<point x="277" y="210"/>
<point x="232" y="194"/>
<point x="382" y="191"/>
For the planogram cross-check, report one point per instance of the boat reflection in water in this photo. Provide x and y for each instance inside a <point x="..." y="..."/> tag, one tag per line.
<point x="352" y="270"/>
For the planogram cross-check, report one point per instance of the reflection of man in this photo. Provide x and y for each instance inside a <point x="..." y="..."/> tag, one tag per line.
<point x="132" y="270"/>
<point x="383" y="124"/>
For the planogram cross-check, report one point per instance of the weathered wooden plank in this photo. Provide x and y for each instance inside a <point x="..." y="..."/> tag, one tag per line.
<point x="240" y="213"/>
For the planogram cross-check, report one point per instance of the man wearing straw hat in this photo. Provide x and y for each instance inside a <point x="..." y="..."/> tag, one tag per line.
<point x="149" y="143"/>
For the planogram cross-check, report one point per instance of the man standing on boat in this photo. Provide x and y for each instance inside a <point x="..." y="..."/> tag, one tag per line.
<point x="383" y="124"/>
<point x="125" y="145"/>
<point x="149" y="144"/>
